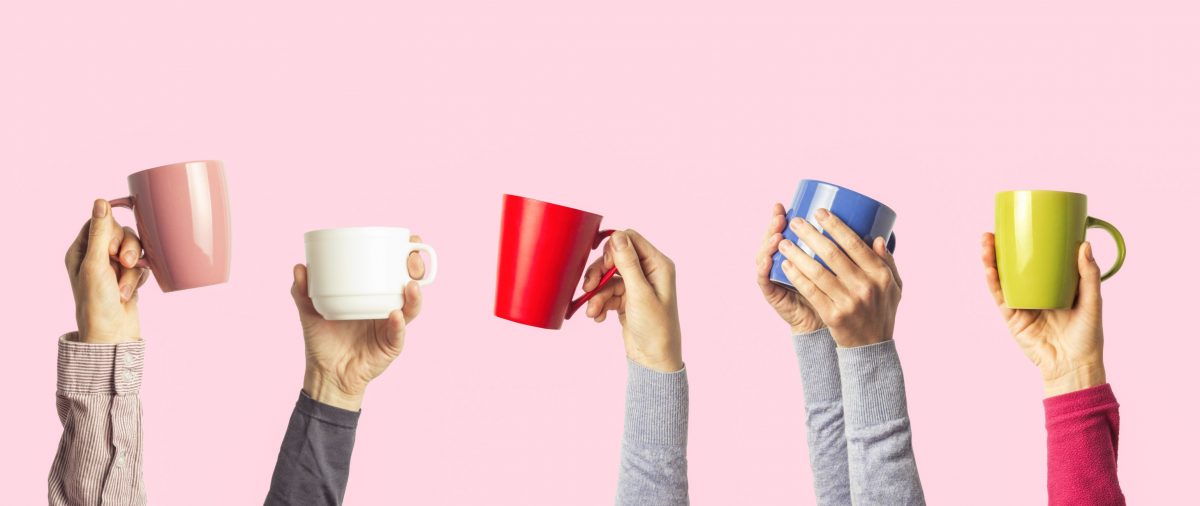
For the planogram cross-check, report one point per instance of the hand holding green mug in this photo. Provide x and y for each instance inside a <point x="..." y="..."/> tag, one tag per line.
<point x="1038" y="234"/>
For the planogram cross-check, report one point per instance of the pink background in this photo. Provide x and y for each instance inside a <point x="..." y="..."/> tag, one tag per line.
<point x="686" y="120"/>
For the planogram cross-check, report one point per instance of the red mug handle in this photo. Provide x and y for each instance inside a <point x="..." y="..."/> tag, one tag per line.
<point x="578" y="303"/>
<point x="127" y="203"/>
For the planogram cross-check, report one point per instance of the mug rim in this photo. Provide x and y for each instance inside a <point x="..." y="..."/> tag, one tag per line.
<point x="551" y="204"/>
<point x="860" y="194"/>
<point x="370" y="230"/>
<point x="180" y="165"/>
<point x="1056" y="192"/>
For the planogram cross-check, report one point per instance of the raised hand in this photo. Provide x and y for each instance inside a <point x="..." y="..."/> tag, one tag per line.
<point x="858" y="299"/>
<point x="790" y="305"/>
<point x="343" y="356"/>
<point x="643" y="297"/>
<point x="1067" y="345"/>
<point x="102" y="265"/>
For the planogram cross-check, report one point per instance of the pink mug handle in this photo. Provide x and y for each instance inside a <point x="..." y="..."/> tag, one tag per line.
<point x="127" y="203"/>
<point x="578" y="303"/>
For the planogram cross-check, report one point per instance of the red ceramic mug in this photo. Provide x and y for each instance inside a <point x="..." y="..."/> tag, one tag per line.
<point x="182" y="214"/>
<point x="543" y="250"/>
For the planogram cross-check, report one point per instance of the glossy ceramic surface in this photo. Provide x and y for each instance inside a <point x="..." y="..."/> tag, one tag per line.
<point x="866" y="216"/>
<point x="544" y="249"/>
<point x="1038" y="233"/>
<point x="182" y="214"/>
<point x="359" y="273"/>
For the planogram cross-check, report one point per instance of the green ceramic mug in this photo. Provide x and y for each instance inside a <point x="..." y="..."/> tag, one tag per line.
<point x="1038" y="233"/>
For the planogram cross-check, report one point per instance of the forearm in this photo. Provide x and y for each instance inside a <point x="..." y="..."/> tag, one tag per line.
<point x="883" y="469"/>
<point x="314" y="459"/>
<point x="654" y="447"/>
<point x="99" y="459"/>
<point x="1081" y="437"/>
<point x="817" y="353"/>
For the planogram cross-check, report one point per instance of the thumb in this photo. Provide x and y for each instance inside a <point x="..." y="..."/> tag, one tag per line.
<point x="300" y="292"/>
<point x="99" y="233"/>
<point x="1089" y="278"/>
<point x="628" y="264"/>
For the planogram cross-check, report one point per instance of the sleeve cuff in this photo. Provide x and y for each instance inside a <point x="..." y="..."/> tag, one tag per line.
<point x="656" y="406"/>
<point x="326" y="413"/>
<point x="99" y="368"/>
<point x="1079" y="400"/>
<point x="873" y="384"/>
<point x="817" y="353"/>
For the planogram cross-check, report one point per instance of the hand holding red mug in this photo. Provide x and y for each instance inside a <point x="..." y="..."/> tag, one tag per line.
<point x="857" y="296"/>
<point x="102" y="265"/>
<point x="643" y="297"/>
<point x="1067" y="345"/>
<point x="343" y="356"/>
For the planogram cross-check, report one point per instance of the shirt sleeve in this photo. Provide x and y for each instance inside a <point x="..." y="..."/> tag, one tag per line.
<point x="883" y="469"/>
<point x="653" y="468"/>
<point x="1081" y="440"/>
<point x="817" y="354"/>
<point x="314" y="459"/>
<point x="99" y="459"/>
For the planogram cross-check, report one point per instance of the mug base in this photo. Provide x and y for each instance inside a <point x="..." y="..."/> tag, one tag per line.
<point x="358" y="307"/>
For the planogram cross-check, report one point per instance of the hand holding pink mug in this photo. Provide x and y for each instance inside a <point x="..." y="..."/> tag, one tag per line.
<point x="182" y="213"/>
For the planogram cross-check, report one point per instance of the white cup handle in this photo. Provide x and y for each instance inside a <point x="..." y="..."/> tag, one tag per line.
<point x="431" y="269"/>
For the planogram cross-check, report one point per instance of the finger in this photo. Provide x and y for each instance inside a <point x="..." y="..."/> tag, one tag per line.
<point x="615" y="288"/>
<point x="300" y="291"/>
<point x="100" y="234"/>
<point x="78" y="249"/>
<point x="849" y="241"/>
<point x="991" y="274"/>
<point x="396" y="326"/>
<point x="814" y="272"/>
<point x="130" y="249"/>
<point x="778" y="220"/>
<point x="613" y="304"/>
<point x="416" y="266"/>
<point x="880" y="247"/>
<point x="1089" y="278"/>
<point x="807" y="288"/>
<point x="629" y="263"/>
<point x="412" y="300"/>
<point x="766" y="262"/>
<point x="117" y="237"/>
<point x="127" y="282"/>
<point x="657" y="268"/>
<point x="597" y="269"/>
<point x="826" y="249"/>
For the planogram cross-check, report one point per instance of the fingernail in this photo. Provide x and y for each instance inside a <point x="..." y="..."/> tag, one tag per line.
<point x="99" y="209"/>
<point x="822" y="213"/>
<point x="1087" y="251"/>
<point x="620" y="242"/>
<point x="786" y="244"/>
<point x="128" y="259"/>
<point x="796" y="222"/>
<point x="126" y="292"/>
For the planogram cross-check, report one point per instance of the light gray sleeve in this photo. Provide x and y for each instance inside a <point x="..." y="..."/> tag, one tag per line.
<point x="817" y="353"/>
<point x="654" y="448"/>
<point x="883" y="469"/>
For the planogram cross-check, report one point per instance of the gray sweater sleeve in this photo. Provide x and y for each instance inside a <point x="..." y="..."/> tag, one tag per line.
<point x="818" y="358"/>
<point x="314" y="460"/>
<point x="654" y="448"/>
<point x="883" y="469"/>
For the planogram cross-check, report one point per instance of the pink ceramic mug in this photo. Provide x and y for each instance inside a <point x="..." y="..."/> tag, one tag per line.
<point x="182" y="213"/>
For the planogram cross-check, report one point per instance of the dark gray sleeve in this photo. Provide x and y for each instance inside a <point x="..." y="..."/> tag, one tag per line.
<point x="314" y="460"/>
<point x="817" y="354"/>
<point x="654" y="449"/>
<point x="883" y="470"/>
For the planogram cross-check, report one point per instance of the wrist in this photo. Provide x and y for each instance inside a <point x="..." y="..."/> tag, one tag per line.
<point x="1079" y="378"/>
<point x="328" y="391"/>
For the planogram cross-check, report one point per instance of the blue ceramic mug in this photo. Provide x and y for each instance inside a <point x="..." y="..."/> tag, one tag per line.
<point x="868" y="217"/>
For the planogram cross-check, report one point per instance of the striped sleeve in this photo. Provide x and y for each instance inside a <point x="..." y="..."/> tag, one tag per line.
<point x="99" y="459"/>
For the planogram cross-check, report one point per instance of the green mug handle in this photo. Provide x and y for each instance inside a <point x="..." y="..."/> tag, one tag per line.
<point x="1116" y="235"/>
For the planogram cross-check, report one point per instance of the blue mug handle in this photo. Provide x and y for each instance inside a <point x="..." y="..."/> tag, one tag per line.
<point x="892" y="243"/>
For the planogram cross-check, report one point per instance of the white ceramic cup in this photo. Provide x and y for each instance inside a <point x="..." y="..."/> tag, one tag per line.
<point x="359" y="273"/>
